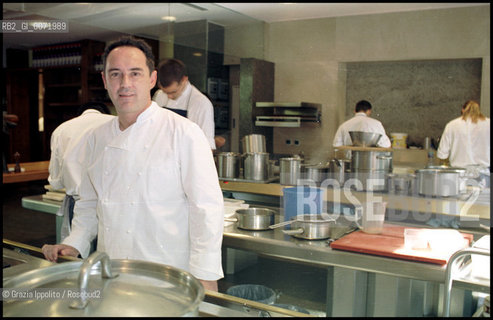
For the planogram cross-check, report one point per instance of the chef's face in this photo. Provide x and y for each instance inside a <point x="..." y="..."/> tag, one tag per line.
<point x="128" y="80"/>
<point x="175" y="89"/>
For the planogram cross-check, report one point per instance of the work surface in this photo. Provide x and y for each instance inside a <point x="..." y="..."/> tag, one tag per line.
<point x="464" y="205"/>
<point x="31" y="171"/>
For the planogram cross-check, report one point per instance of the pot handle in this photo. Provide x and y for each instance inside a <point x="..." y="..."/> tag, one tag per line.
<point x="84" y="273"/>
<point x="295" y="231"/>
<point x="281" y="224"/>
<point x="231" y="219"/>
<point x="384" y="157"/>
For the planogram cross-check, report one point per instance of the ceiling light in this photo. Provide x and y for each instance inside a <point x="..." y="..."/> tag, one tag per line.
<point x="168" y="18"/>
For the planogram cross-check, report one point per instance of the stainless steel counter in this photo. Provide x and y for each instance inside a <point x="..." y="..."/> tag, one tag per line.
<point x="368" y="275"/>
<point x="455" y="206"/>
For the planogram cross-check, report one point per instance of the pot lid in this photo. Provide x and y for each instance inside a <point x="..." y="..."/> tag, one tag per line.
<point x="112" y="288"/>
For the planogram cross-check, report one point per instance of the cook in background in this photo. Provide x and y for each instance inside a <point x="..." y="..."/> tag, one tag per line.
<point x="466" y="140"/>
<point x="177" y="94"/>
<point x="150" y="191"/>
<point x="67" y="145"/>
<point x="361" y="121"/>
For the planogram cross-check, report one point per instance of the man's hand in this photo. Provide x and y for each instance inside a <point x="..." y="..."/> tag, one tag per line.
<point x="209" y="285"/>
<point x="52" y="252"/>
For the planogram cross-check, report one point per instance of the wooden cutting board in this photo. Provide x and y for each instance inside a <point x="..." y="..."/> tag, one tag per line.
<point x="390" y="243"/>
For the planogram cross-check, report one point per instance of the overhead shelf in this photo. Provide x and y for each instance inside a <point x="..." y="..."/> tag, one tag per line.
<point x="289" y="114"/>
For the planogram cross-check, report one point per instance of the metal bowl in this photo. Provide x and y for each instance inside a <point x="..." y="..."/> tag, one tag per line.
<point x="364" y="139"/>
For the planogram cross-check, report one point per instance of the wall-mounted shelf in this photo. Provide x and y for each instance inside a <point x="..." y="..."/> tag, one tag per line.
<point x="289" y="114"/>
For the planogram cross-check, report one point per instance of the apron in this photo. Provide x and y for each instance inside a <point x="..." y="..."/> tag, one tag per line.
<point x="67" y="212"/>
<point x="181" y="112"/>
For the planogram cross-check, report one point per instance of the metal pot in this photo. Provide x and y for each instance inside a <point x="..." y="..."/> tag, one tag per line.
<point x="401" y="183"/>
<point x="289" y="171"/>
<point x="113" y="288"/>
<point x="254" y="218"/>
<point x="438" y="182"/>
<point x="228" y="165"/>
<point x="371" y="160"/>
<point x="316" y="173"/>
<point x="307" y="226"/>
<point x="253" y="143"/>
<point x="462" y="175"/>
<point x="256" y="166"/>
<point x="338" y="169"/>
<point x="364" y="139"/>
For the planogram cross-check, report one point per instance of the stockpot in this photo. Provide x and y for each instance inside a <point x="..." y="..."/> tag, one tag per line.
<point x="371" y="160"/>
<point x="338" y="169"/>
<point x="253" y="218"/>
<point x="307" y="226"/>
<point x="253" y="143"/>
<point x="228" y="165"/>
<point x="316" y="173"/>
<point x="289" y="171"/>
<point x="438" y="182"/>
<point x="106" y="288"/>
<point x="462" y="175"/>
<point x="256" y="165"/>
<point x="401" y="183"/>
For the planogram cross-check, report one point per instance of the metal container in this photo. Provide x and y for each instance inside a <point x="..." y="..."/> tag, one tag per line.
<point x="289" y="171"/>
<point x="253" y="143"/>
<point x="371" y="160"/>
<point x="462" y="175"/>
<point x="316" y="173"/>
<point x="254" y="218"/>
<point x="228" y="165"/>
<point x="308" y="226"/>
<point x="338" y="170"/>
<point x="113" y="288"/>
<point x="404" y="184"/>
<point x="438" y="182"/>
<point x="364" y="139"/>
<point x="256" y="166"/>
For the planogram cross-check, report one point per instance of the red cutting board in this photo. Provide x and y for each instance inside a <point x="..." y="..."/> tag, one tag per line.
<point x="390" y="243"/>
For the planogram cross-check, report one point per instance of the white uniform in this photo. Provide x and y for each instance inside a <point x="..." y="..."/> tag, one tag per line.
<point x="360" y="122"/>
<point x="466" y="143"/>
<point x="67" y="149"/>
<point x="199" y="109"/>
<point x="151" y="192"/>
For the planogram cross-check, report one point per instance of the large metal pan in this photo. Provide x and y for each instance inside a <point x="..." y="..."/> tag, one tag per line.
<point x="308" y="226"/>
<point x="100" y="287"/>
<point x="253" y="218"/>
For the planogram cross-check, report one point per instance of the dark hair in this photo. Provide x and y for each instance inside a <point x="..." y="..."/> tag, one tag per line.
<point x="101" y="107"/>
<point x="362" y="105"/>
<point x="170" y="70"/>
<point x="129" y="41"/>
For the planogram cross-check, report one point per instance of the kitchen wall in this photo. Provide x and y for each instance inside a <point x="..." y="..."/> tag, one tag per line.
<point x="310" y="59"/>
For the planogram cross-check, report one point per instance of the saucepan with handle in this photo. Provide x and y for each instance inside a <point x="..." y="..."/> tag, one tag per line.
<point x="253" y="218"/>
<point x="308" y="226"/>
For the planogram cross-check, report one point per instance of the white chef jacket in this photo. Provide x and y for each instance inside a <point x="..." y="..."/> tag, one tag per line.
<point x="67" y="148"/>
<point x="198" y="106"/>
<point x="360" y="122"/>
<point x="151" y="192"/>
<point x="466" y="143"/>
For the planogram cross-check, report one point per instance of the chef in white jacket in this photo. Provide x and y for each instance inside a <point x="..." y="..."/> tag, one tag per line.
<point x="151" y="190"/>
<point x="177" y="94"/>
<point x="466" y="140"/>
<point x="67" y="146"/>
<point x="361" y="121"/>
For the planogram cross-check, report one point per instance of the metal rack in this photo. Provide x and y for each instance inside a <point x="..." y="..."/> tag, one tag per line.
<point x="464" y="280"/>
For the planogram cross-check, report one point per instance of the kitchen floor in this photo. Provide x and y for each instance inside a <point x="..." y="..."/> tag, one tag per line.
<point x="298" y="285"/>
